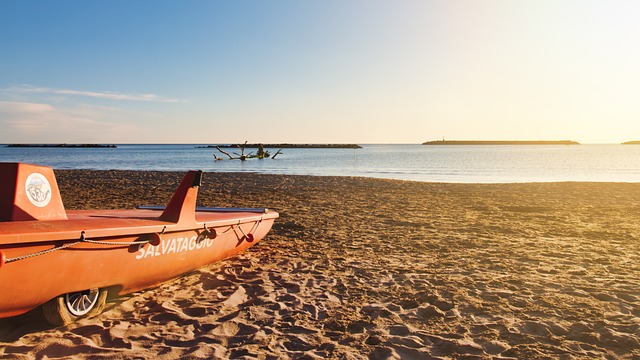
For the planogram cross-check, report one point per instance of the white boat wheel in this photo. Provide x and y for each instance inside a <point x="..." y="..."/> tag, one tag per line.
<point x="80" y="303"/>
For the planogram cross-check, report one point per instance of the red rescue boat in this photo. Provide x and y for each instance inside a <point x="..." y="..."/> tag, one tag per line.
<point x="69" y="261"/>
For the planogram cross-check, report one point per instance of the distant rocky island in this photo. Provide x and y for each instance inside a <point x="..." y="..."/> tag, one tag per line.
<point x="63" y="145"/>
<point x="289" y="146"/>
<point x="501" y="142"/>
<point x="634" y="142"/>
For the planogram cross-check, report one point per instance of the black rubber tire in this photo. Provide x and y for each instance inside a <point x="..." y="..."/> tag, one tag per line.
<point x="57" y="313"/>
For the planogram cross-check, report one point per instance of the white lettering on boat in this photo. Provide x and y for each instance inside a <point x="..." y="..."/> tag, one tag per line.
<point x="173" y="246"/>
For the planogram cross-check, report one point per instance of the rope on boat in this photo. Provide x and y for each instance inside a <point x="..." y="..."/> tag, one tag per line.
<point x="121" y="243"/>
<point x="113" y="243"/>
<point x="240" y="228"/>
<point x="253" y="228"/>
<point x="22" y="257"/>
<point x="82" y="239"/>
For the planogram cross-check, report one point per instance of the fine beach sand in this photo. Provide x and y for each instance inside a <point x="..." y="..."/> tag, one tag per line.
<point x="375" y="269"/>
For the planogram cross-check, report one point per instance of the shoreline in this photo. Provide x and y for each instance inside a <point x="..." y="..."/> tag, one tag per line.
<point x="355" y="177"/>
<point x="375" y="268"/>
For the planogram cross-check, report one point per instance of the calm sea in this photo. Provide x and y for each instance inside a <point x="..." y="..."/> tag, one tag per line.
<point x="444" y="163"/>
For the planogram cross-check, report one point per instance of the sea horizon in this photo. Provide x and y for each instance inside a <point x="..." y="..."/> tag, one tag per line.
<point x="304" y="143"/>
<point x="413" y="162"/>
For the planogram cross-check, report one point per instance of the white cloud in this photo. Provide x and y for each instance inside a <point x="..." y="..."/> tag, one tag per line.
<point x="8" y="107"/>
<point x="44" y="123"/>
<point x="110" y="95"/>
<point x="32" y="114"/>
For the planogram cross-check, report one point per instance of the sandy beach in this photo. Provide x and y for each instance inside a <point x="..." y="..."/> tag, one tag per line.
<point x="359" y="268"/>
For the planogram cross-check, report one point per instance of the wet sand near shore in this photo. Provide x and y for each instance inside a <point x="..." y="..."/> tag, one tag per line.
<point x="361" y="268"/>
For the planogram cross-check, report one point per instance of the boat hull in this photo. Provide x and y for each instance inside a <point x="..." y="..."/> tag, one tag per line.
<point x="150" y="253"/>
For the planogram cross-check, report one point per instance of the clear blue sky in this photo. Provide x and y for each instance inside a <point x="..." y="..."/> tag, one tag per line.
<point x="345" y="71"/>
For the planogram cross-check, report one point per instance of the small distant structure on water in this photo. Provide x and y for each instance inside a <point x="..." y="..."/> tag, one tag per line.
<point x="501" y="142"/>
<point x="289" y="146"/>
<point x="264" y="154"/>
<point x="261" y="154"/>
<point x="63" y="145"/>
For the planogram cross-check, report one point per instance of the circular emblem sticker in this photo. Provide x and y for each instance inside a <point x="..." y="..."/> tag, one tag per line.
<point x="38" y="190"/>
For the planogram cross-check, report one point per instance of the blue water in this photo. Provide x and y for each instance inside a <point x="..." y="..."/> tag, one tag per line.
<point x="452" y="163"/>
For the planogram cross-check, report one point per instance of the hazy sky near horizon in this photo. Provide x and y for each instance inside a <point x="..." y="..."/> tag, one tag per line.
<point x="331" y="71"/>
